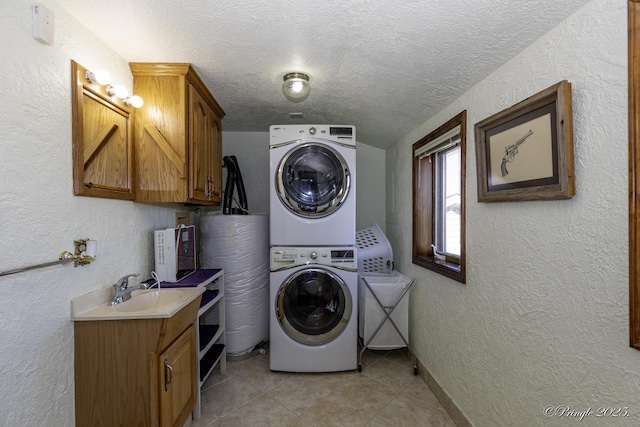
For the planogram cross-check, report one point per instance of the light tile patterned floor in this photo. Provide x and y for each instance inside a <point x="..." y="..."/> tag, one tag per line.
<point x="384" y="394"/>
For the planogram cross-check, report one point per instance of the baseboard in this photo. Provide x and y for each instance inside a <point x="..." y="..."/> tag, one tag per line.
<point x="447" y="403"/>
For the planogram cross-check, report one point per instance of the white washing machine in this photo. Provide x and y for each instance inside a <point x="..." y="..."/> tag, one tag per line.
<point x="312" y="185"/>
<point x="313" y="324"/>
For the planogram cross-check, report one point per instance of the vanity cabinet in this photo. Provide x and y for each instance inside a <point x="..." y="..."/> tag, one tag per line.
<point x="178" y="136"/>
<point x="136" y="372"/>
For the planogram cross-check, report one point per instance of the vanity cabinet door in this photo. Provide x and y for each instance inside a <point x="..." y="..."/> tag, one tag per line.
<point x="177" y="385"/>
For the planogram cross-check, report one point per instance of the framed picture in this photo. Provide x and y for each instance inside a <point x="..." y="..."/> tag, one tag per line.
<point x="526" y="151"/>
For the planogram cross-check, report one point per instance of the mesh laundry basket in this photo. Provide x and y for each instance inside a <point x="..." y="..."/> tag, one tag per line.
<point x="374" y="251"/>
<point x="390" y="290"/>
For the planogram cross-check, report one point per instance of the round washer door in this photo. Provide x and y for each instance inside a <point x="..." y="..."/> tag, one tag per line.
<point x="313" y="306"/>
<point x="312" y="180"/>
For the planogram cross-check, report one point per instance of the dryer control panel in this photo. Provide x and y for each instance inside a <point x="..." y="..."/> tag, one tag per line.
<point x="282" y="134"/>
<point x="339" y="257"/>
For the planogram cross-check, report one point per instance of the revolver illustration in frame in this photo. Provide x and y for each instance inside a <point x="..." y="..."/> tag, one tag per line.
<point x="511" y="151"/>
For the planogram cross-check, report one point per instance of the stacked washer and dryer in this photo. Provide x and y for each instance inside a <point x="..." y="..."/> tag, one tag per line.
<point x="313" y="275"/>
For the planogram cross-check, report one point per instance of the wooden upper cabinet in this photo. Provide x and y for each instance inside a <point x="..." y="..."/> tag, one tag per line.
<point x="177" y="136"/>
<point x="102" y="140"/>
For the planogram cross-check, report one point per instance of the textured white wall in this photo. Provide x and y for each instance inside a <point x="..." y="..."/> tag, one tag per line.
<point x="543" y="319"/>
<point x="252" y="151"/>
<point x="41" y="216"/>
<point x="370" y="198"/>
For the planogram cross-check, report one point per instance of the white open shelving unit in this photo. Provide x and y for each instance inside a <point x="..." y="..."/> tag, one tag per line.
<point x="210" y="326"/>
<point x="210" y="338"/>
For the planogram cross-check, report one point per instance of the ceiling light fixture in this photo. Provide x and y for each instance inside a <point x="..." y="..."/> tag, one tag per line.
<point x="296" y="87"/>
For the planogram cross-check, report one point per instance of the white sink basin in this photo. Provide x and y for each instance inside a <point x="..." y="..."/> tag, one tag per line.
<point x="144" y="300"/>
<point x="143" y="304"/>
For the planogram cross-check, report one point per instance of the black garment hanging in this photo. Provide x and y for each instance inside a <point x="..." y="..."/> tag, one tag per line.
<point x="234" y="179"/>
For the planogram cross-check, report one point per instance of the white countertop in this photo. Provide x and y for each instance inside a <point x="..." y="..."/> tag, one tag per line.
<point x="93" y="306"/>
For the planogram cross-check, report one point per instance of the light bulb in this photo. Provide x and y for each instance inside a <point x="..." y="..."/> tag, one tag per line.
<point x="296" y="87"/>
<point x="119" y="91"/>
<point x="99" y="76"/>
<point x="102" y="77"/>
<point x="135" y="101"/>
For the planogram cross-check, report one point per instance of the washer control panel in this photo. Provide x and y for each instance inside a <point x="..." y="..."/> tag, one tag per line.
<point x="286" y="257"/>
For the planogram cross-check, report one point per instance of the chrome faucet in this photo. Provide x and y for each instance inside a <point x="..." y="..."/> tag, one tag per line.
<point x="123" y="290"/>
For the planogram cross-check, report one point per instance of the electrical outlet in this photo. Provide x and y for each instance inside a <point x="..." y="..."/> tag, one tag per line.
<point x="183" y="218"/>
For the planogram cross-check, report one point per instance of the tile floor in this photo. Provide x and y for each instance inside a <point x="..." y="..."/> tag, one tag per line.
<point x="384" y="394"/>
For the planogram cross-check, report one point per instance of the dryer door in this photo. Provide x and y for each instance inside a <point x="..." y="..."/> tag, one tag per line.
<point x="312" y="180"/>
<point x="313" y="306"/>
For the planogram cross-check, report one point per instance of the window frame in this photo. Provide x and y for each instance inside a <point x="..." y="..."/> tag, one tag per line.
<point x="424" y="204"/>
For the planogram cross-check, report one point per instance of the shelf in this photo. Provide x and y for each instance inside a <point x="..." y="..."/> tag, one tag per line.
<point x="208" y="362"/>
<point x="215" y="333"/>
<point x="209" y="299"/>
<point x="208" y="336"/>
<point x="201" y="277"/>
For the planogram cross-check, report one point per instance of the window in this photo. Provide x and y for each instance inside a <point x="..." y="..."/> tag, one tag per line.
<point x="438" y="199"/>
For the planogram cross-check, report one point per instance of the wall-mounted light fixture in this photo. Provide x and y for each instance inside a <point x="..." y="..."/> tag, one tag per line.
<point x="103" y="78"/>
<point x="296" y="87"/>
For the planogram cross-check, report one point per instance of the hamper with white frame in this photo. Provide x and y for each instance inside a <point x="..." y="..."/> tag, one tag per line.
<point x="387" y="287"/>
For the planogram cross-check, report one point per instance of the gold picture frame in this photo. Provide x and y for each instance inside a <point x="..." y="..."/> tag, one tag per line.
<point x="526" y="151"/>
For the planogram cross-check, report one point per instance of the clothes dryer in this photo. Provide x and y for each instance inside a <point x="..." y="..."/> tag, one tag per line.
<point x="312" y="185"/>
<point x="313" y="323"/>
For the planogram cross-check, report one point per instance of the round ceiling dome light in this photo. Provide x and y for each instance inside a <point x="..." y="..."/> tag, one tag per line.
<point x="296" y="87"/>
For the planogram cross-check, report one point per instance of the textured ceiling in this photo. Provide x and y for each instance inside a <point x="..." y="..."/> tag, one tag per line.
<point x="384" y="66"/>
